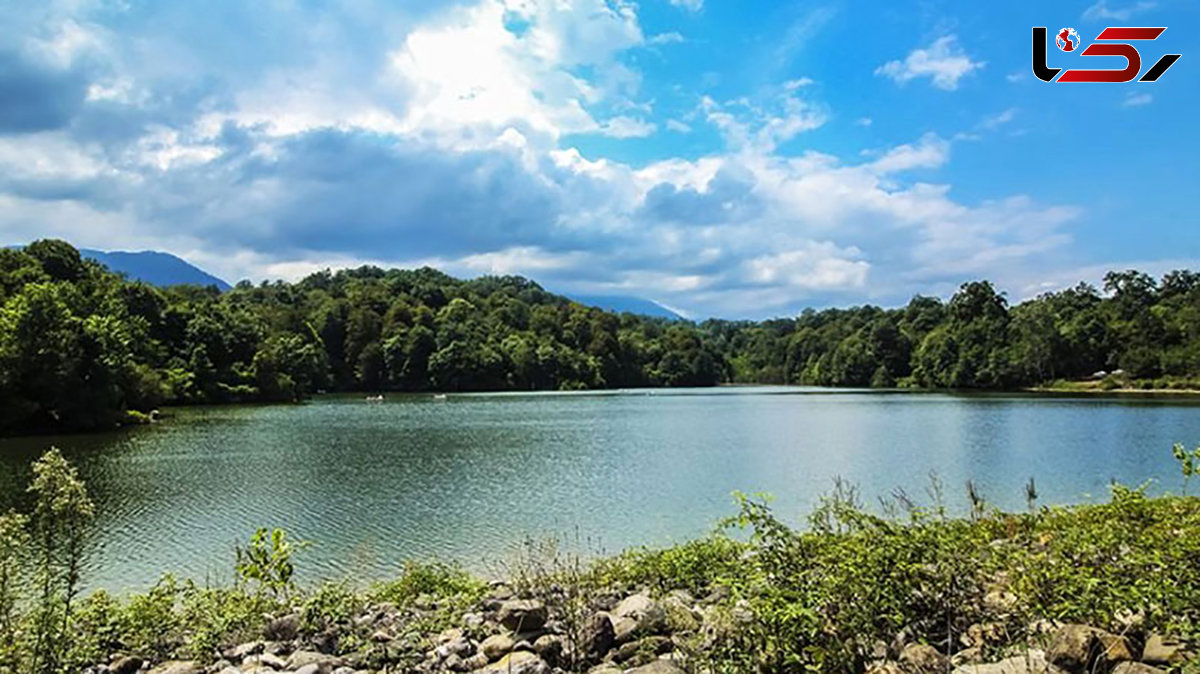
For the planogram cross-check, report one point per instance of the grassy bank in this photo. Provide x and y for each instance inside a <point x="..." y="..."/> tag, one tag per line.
<point x="906" y="587"/>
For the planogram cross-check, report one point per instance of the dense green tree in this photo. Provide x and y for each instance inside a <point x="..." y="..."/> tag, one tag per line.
<point x="80" y="347"/>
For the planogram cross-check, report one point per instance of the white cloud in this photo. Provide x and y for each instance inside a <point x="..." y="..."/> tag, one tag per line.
<point x="1136" y="99"/>
<point x="666" y="38"/>
<point x="930" y="152"/>
<point x="999" y="119"/>
<point x="1101" y="10"/>
<point x="690" y="5"/>
<point x="863" y="121"/>
<point x="627" y="127"/>
<point x="678" y="126"/>
<point x="944" y="62"/>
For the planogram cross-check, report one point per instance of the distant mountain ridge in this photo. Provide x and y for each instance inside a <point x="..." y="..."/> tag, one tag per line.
<point x="627" y="304"/>
<point x="154" y="267"/>
<point x="164" y="269"/>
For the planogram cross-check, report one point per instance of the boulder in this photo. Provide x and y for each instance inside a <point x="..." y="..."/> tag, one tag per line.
<point x="178" y="667"/>
<point x="885" y="668"/>
<point x="522" y="615"/>
<point x="496" y="646"/>
<point x="658" y="667"/>
<point x="1162" y="650"/>
<point x="517" y="662"/>
<point x="597" y="636"/>
<point x="304" y="658"/>
<point x="550" y="647"/>
<point x="1032" y="662"/>
<point x="1079" y="648"/>
<point x="264" y="660"/>
<point x="283" y="628"/>
<point x="649" y="615"/>
<point x="923" y="659"/>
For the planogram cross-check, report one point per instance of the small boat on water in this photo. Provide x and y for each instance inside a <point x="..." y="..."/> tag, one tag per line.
<point x="375" y="399"/>
<point x="439" y="396"/>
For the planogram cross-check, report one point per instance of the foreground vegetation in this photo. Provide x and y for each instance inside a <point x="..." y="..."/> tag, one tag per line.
<point x="83" y="348"/>
<point x="1084" y="588"/>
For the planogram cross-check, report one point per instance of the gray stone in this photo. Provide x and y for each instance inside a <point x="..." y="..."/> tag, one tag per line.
<point x="649" y="615"/>
<point x="658" y="667"/>
<point x="597" y="636"/>
<point x="1032" y="662"/>
<point x="178" y="667"/>
<point x="522" y="615"/>
<point x="304" y="658"/>
<point x="283" y="628"/>
<point x="1161" y="650"/>
<point x="517" y="662"/>
<point x="496" y="646"/>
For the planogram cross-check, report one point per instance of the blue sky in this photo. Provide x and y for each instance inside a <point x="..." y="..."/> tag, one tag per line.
<point x="727" y="158"/>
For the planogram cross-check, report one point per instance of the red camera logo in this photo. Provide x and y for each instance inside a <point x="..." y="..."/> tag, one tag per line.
<point x="1110" y="42"/>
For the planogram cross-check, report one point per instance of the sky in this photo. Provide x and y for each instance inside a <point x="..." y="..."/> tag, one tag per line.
<point x="729" y="158"/>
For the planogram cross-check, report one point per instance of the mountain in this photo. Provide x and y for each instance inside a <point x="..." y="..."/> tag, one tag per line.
<point x="153" y="267"/>
<point x="626" y="303"/>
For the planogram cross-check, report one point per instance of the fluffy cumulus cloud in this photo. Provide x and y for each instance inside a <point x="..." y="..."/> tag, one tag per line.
<point x="449" y="136"/>
<point x="944" y="62"/>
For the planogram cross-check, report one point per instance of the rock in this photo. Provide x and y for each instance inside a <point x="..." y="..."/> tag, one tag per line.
<point x="1077" y="648"/>
<point x="243" y="651"/>
<point x="923" y="659"/>
<point x="885" y="668"/>
<point x="1032" y="662"/>
<point x="650" y="616"/>
<point x="283" y="628"/>
<point x="658" y="667"/>
<point x="304" y="658"/>
<point x="230" y="670"/>
<point x="178" y="667"/>
<point x="1113" y="649"/>
<point x="517" y="662"/>
<point x="126" y="665"/>
<point x="605" y="668"/>
<point x="1161" y="650"/>
<point x="314" y="668"/>
<point x="522" y="615"/>
<point x="474" y="662"/>
<point x="264" y="660"/>
<point x="1135" y="668"/>
<point x="550" y="648"/>
<point x="624" y="630"/>
<point x="496" y="646"/>
<point x="462" y="647"/>
<point x="967" y="656"/>
<point x="597" y="636"/>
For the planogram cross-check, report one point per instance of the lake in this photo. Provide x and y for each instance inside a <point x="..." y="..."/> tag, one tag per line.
<point x="467" y="478"/>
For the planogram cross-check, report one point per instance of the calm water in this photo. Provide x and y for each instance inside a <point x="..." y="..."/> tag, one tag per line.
<point x="468" y="477"/>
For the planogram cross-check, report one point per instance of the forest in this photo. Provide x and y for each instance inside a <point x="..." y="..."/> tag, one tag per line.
<point x="82" y="347"/>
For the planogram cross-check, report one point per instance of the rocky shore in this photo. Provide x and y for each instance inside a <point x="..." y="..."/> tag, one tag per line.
<point x="636" y="633"/>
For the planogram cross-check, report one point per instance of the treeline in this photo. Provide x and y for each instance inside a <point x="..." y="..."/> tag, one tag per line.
<point x="81" y="347"/>
<point x="1140" y="330"/>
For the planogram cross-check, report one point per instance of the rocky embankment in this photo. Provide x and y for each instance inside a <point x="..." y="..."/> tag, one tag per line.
<point x="632" y="633"/>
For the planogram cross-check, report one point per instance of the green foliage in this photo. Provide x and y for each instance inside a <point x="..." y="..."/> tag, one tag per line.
<point x="61" y="514"/>
<point x="1189" y="462"/>
<point x="266" y="563"/>
<point x="434" y="579"/>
